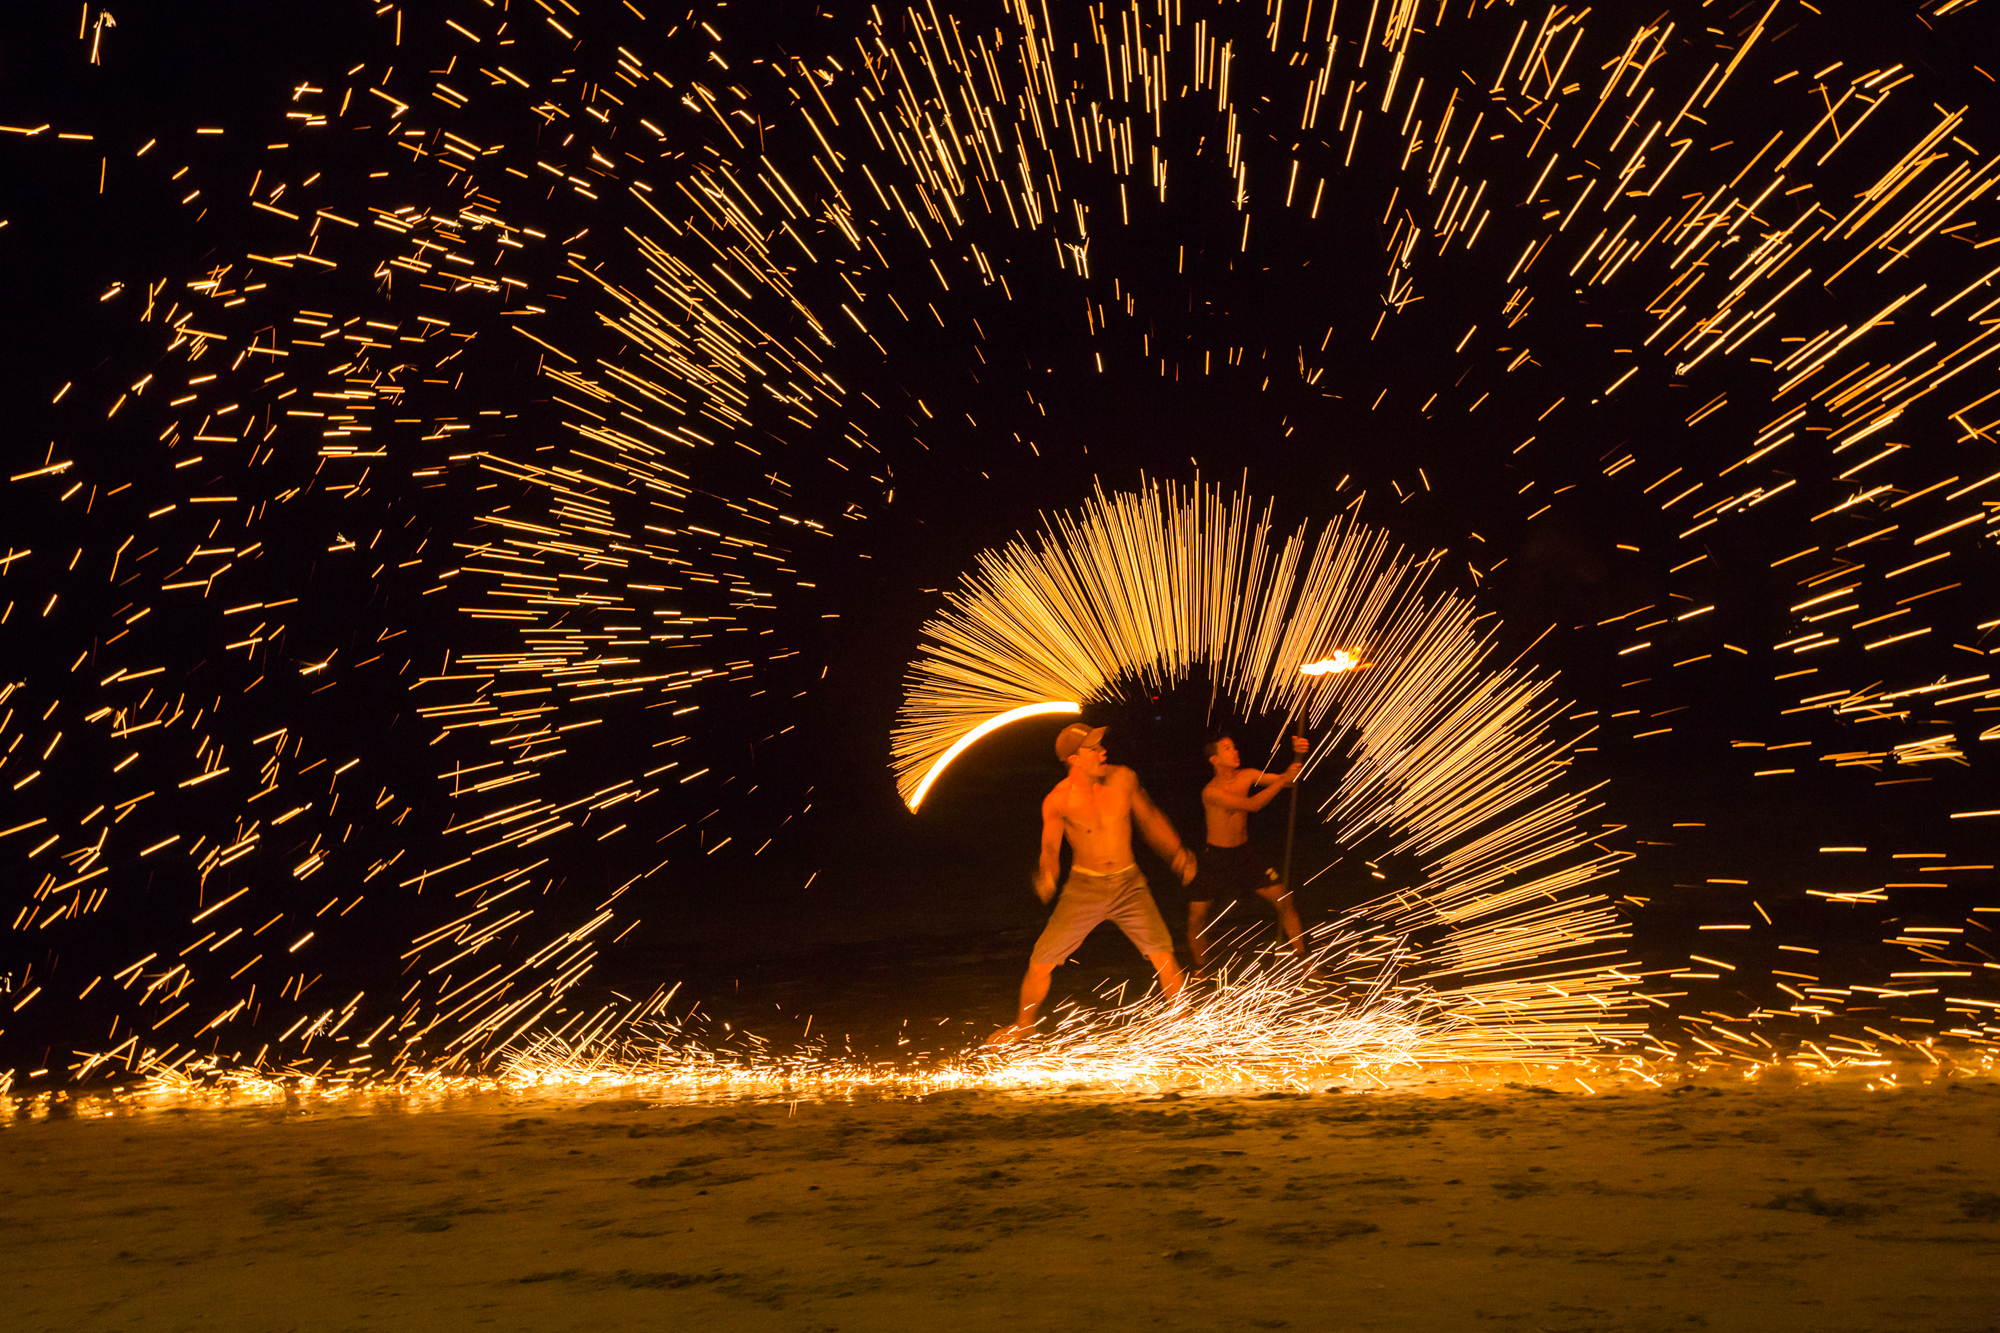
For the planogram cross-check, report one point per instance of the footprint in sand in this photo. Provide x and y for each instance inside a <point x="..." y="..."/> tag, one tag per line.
<point x="1519" y="1188"/>
<point x="1317" y="1233"/>
<point x="1979" y="1206"/>
<point x="1194" y="1217"/>
<point x="1808" y="1201"/>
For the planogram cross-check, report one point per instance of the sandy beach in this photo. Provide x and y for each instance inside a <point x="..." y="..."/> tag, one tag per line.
<point x="1710" y="1204"/>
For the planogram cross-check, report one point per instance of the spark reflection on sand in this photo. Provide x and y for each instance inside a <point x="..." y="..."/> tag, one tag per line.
<point x="1277" y="1026"/>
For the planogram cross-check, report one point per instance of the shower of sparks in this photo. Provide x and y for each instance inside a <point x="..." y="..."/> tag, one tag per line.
<point x="324" y="496"/>
<point x="1455" y="761"/>
<point x="1274" y="1021"/>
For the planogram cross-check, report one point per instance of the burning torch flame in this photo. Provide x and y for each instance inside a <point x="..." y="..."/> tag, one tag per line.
<point x="1342" y="660"/>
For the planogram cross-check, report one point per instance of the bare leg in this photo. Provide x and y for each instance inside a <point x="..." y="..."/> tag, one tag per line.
<point x="1198" y="934"/>
<point x="1034" y="989"/>
<point x="1288" y="916"/>
<point x="1163" y="963"/>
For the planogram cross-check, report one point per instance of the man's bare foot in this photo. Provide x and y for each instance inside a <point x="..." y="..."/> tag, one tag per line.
<point x="1008" y="1035"/>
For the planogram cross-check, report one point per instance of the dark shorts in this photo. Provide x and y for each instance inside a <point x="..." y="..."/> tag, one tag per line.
<point x="1088" y="900"/>
<point x="1230" y="873"/>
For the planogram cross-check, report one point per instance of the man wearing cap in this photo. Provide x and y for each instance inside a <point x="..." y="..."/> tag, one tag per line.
<point x="1094" y="808"/>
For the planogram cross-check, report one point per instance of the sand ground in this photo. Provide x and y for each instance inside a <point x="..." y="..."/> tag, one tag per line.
<point x="1716" y="1206"/>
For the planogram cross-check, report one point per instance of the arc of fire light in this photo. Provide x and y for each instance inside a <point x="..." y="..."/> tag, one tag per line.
<point x="970" y="738"/>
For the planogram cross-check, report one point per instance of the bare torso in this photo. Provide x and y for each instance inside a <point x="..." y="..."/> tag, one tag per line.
<point x="1096" y="818"/>
<point x="1227" y="827"/>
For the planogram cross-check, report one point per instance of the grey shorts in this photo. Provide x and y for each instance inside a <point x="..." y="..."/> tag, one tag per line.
<point x="1088" y="900"/>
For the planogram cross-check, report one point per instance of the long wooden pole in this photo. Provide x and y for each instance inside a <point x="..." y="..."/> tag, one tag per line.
<point x="1291" y="829"/>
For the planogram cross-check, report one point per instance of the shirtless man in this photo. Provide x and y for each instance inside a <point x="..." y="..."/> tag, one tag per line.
<point x="1094" y="808"/>
<point x="1230" y="869"/>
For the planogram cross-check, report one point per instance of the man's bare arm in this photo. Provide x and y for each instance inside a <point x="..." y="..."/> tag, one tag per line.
<point x="1159" y="833"/>
<point x="1258" y="777"/>
<point x="1051" y="859"/>
<point x="1229" y="800"/>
